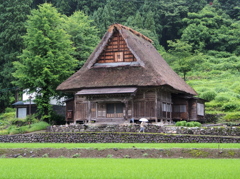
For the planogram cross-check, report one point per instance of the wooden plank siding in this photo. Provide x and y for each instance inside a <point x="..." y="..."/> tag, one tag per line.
<point x="193" y="110"/>
<point x="181" y="109"/>
<point x="81" y="111"/>
<point x="101" y="110"/>
<point x="152" y="103"/>
<point x="93" y="110"/>
<point x="144" y="104"/>
<point x="164" y="105"/>
<point x="69" y="110"/>
<point x="116" y="51"/>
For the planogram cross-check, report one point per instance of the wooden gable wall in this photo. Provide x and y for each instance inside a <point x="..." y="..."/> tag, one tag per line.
<point x="116" y="51"/>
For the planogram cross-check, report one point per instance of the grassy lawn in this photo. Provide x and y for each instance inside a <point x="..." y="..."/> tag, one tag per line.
<point x="119" y="168"/>
<point x="120" y="145"/>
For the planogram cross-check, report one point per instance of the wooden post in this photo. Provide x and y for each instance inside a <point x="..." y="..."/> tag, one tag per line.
<point x="75" y="109"/>
<point x="89" y="111"/>
<point x="132" y="109"/>
<point x="30" y="106"/>
<point x="126" y="110"/>
<point x="96" y="110"/>
<point x="156" y="105"/>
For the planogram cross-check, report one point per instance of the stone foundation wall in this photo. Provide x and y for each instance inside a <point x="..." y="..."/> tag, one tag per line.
<point x="222" y="131"/>
<point x="94" y="137"/>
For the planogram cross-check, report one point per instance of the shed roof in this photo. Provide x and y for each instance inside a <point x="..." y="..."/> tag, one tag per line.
<point x="106" y="91"/>
<point x="150" y="70"/>
<point x="23" y="103"/>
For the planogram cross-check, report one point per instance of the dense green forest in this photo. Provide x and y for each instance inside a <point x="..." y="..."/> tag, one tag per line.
<point x="200" y="39"/>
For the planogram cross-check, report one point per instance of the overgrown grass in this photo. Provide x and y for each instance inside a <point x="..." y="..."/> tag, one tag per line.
<point x="120" y="145"/>
<point x="223" y="94"/>
<point x="11" y="125"/>
<point x="119" y="168"/>
<point x="13" y="129"/>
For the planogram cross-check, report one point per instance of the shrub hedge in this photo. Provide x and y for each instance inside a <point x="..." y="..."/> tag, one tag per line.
<point x="188" y="124"/>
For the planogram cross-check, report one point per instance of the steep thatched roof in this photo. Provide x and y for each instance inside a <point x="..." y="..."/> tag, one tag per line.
<point x="151" y="71"/>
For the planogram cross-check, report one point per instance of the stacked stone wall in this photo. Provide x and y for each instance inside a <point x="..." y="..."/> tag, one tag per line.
<point x="108" y="137"/>
<point x="221" y="131"/>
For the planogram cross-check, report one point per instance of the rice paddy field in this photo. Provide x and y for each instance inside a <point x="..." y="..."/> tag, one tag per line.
<point x="39" y="168"/>
<point x="118" y="168"/>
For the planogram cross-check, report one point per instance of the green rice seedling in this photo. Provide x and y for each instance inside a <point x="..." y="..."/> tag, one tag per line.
<point x="198" y="153"/>
<point x="109" y="156"/>
<point x="39" y="168"/>
<point x="145" y="154"/>
<point x="231" y="153"/>
<point x="77" y="155"/>
<point x="45" y="156"/>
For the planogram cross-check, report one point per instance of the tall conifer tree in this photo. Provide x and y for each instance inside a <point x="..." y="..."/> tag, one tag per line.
<point x="13" y="14"/>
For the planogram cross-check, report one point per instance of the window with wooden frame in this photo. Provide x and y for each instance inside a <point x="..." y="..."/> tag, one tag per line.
<point x="180" y="108"/>
<point x="166" y="109"/>
<point x="101" y="110"/>
<point x="114" y="109"/>
<point x="200" y="109"/>
<point x="118" y="56"/>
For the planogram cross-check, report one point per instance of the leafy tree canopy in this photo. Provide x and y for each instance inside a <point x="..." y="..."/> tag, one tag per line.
<point x="83" y="35"/>
<point x="46" y="61"/>
<point x="210" y="29"/>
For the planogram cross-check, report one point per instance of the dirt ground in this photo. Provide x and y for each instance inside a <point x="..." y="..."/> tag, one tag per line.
<point x="119" y="153"/>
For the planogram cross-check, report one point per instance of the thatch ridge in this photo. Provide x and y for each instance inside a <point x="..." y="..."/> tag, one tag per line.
<point x="120" y="26"/>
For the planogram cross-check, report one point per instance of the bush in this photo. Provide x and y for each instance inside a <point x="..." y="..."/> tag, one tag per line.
<point x="17" y="130"/>
<point x="232" y="117"/>
<point x="30" y="119"/>
<point x="56" y="119"/>
<point x="231" y="106"/>
<point x="197" y="124"/>
<point x="18" y="122"/>
<point x="235" y="87"/>
<point x="213" y="118"/>
<point x="3" y="123"/>
<point x="201" y="90"/>
<point x="188" y="124"/>
<point x="9" y="110"/>
<point x="208" y="95"/>
<point x="181" y="123"/>
<point x="222" y="97"/>
<point x="221" y="89"/>
<point x="7" y="116"/>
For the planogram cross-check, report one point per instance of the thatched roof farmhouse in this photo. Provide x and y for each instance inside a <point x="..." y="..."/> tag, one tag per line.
<point x="125" y="77"/>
